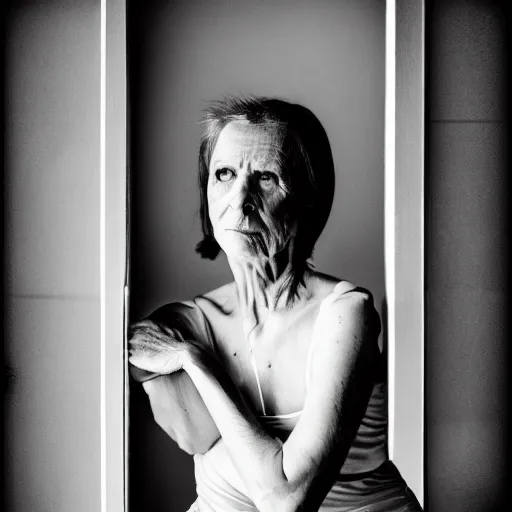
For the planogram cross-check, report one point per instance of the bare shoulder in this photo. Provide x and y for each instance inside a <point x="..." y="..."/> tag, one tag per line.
<point x="347" y="324"/>
<point x="185" y="317"/>
<point x="197" y="316"/>
<point x="328" y="288"/>
<point x="222" y="298"/>
<point x="341" y="300"/>
<point x="171" y="310"/>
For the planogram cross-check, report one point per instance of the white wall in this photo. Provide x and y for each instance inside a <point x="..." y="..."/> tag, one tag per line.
<point x="52" y="426"/>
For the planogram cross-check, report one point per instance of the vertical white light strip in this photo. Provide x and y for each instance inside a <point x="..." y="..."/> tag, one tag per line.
<point x="126" y="399"/>
<point x="389" y="209"/>
<point x="103" y="433"/>
<point x="422" y="497"/>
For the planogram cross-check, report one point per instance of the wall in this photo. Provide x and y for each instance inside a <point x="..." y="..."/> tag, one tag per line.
<point x="467" y="268"/>
<point x="52" y="308"/>
<point x="52" y="259"/>
<point x="328" y="56"/>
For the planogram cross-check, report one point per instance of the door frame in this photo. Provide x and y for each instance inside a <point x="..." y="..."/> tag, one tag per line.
<point x="404" y="244"/>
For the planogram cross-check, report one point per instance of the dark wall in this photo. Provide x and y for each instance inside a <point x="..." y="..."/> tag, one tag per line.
<point x="467" y="280"/>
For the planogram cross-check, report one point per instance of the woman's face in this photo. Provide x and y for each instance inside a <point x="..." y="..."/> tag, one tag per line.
<point x="248" y="191"/>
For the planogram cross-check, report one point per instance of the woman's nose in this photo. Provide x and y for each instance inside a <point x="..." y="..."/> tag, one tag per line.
<point x="240" y="199"/>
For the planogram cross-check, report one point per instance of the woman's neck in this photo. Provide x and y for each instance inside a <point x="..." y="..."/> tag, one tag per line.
<point x="264" y="286"/>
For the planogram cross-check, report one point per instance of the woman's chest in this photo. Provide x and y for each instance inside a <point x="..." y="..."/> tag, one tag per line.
<point x="268" y="364"/>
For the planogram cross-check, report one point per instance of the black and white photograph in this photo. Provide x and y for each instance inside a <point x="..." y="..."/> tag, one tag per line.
<point x="255" y="256"/>
<point x="257" y="235"/>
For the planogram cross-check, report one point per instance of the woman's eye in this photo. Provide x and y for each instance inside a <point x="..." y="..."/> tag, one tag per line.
<point x="268" y="178"/>
<point x="224" y="174"/>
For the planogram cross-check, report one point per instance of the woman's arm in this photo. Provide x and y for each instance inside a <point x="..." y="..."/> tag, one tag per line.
<point x="175" y="402"/>
<point x="298" y="474"/>
<point x="180" y="411"/>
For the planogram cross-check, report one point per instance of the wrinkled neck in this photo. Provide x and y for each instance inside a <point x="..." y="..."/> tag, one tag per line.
<point x="264" y="286"/>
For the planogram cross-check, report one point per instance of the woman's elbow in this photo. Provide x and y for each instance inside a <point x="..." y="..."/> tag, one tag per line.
<point x="280" y="505"/>
<point x="192" y="447"/>
<point x="195" y="446"/>
<point x="282" y="500"/>
<point x="190" y="442"/>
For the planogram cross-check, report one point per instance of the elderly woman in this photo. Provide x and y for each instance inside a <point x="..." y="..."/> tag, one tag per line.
<point x="274" y="382"/>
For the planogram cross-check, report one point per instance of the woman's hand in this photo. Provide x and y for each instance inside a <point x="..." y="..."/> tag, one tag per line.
<point x="157" y="348"/>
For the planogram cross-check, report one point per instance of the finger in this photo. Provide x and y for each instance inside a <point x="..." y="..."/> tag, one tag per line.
<point x="146" y="337"/>
<point x="144" y="326"/>
<point x="144" y="323"/>
<point x="156" y="336"/>
<point x="138" y="342"/>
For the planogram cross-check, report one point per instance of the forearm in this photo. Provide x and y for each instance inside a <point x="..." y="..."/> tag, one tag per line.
<point x="257" y="456"/>
<point x="179" y="410"/>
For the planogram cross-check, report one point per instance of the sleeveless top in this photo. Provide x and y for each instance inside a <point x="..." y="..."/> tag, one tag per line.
<point x="219" y="486"/>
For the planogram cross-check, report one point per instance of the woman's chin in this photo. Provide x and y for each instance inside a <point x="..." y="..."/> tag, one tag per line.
<point x="242" y="253"/>
<point x="240" y="246"/>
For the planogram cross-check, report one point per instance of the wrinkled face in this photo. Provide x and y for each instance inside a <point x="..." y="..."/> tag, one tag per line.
<point x="248" y="191"/>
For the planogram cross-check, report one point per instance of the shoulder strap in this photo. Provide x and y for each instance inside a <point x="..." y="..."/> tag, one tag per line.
<point x="255" y="369"/>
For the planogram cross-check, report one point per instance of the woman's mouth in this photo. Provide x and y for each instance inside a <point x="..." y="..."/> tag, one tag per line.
<point x="245" y="232"/>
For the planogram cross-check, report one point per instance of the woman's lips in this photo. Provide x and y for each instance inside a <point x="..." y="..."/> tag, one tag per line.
<point x="245" y="232"/>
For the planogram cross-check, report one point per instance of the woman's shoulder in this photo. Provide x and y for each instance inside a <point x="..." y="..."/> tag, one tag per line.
<point x="326" y="288"/>
<point x="223" y="298"/>
<point x="336" y="296"/>
<point x="186" y="316"/>
<point x="171" y="310"/>
<point x="340" y="296"/>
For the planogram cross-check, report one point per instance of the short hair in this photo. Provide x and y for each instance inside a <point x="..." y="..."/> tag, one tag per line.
<point x="307" y="161"/>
